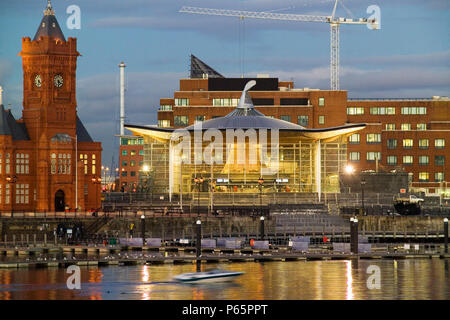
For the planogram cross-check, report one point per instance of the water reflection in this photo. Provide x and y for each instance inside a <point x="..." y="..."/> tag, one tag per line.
<point x="402" y="279"/>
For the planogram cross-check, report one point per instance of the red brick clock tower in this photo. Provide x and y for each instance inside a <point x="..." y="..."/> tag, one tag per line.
<point x="63" y="162"/>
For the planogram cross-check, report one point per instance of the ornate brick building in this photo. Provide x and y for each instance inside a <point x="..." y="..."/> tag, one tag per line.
<point x="39" y="170"/>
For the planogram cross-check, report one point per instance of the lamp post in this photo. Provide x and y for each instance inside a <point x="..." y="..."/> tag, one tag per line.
<point x="198" y="182"/>
<point x="260" y="184"/>
<point x="446" y="235"/>
<point x="261" y="221"/>
<point x="363" y="182"/>
<point x="76" y="172"/>
<point x="11" y="180"/>
<point x="143" y="229"/>
<point x="198" y="243"/>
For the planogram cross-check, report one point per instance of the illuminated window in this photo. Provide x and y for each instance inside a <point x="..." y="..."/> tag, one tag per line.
<point x="163" y="123"/>
<point x="141" y="152"/>
<point x="165" y="107"/>
<point x="124" y="152"/>
<point x="22" y="163"/>
<point x="421" y="126"/>
<point x="7" y="164"/>
<point x="321" y="119"/>
<point x="93" y="165"/>
<point x="408" y="143"/>
<point x="406" y="126"/>
<point x="53" y="163"/>
<point x="132" y="163"/>
<point x="83" y="158"/>
<point x="354" y="138"/>
<point x="439" y="143"/>
<point x="414" y="110"/>
<point x="424" y="176"/>
<point x="390" y="126"/>
<point x="7" y="193"/>
<point x="355" y="110"/>
<point x="424" y="160"/>
<point x="181" y="102"/>
<point x="439" y="176"/>
<point x="372" y="156"/>
<point x="354" y="156"/>
<point x="132" y="152"/>
<point x="408" y="159"/>
<point x="373" y="138"/>
<point x="321" y="102"/>
<point x="423" y="143"/>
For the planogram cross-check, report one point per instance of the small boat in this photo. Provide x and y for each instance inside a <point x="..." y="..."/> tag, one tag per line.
<point x="211" y="276"/>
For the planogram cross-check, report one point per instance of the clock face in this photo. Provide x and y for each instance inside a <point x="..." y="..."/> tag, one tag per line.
<point x="38" y="80"/>
<point x="58" y="81"/>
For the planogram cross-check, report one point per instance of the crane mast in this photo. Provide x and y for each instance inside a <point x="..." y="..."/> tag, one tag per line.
<point x="332" y="20"/>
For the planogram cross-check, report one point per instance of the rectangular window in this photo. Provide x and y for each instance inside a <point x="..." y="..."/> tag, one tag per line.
<point x="141" y="152"/>
<point x="302" y="121"/>
<point x="124" y="152"/>
<point x="225" y="102"/>
<point x="180" y="121"/>
<point x="132" y="163"/>
<point x="7" y="164"/>
<point x="372" y="156"/>
<point x="408" y="159"/>
<point x="165" y="107"/>
<point x="391" y="143"/>
<point x="424" y="176"/>
<point x="392" y="160"/>
<point x="181" y="102"/>
<point x="199" y="118"/>
<point x="133" y="173"/>
<point x="423" y="143"/>
<point x="354" y="138"/>
<point x="7" y="193"/>
<point x="286" y="118"/>
<point x="321" y="102"/>
<point x="22" y="193"/>
<point x="390" y="126"/>
<point x="424" y="160"/>
<point x="22" y="163"/>
<point x="93" y="165"/>
<point x="355" y="110"/>
<point x="354" y="156"/>
<point x="406" y="127"/>
<point x="439" y="160"/>
<point x="163" y="123"/>
<point x="439" y="176"/>
<point x="124" y="173"/>
<point x="421" y="126"/>
<point x="439" y="143"/>
<point x="408" y="143"/>
<point x="83" y="158"/>
<point x="373" y="138"/>
<point x="124" y="163"/>
<point x="414" y="110"/>
<point x="321" y="119"/>
<point x="132" y="152"/>
<point x="382" y="110"/>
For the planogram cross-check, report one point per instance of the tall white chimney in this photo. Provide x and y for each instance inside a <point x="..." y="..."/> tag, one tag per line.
<point x="122" y="97"/>
<point x="1" y="95"/>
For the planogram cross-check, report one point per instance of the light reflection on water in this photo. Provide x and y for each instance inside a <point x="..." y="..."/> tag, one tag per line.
<point x="328" y="280"/>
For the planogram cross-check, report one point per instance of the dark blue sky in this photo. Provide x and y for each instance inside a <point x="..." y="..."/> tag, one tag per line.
<point x="408" y="57"/>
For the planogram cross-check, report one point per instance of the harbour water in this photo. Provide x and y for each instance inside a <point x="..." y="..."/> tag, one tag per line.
<point x="297" y="280"/>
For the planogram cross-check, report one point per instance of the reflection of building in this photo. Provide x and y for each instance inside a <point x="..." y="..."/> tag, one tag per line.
<point x="296" y="159"/>
<point x="42" y="153"/>
<point x="403" y="134"/>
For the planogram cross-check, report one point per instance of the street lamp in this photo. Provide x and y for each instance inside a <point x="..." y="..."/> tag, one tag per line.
<point x="11" y="180"/>
<point x="261" y="220"/>
<point x="363" y="182"/>
<point x="198" y="182"/>
<point x="260" y="183"/>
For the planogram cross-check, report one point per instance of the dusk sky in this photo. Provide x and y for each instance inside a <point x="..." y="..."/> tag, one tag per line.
<point x="408" y="57"/>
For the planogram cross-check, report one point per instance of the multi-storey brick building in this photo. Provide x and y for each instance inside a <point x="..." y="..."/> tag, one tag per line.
<point x="411" y="135"/>
<point x="130" y="162"/>
<point x="48" y="161"/>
